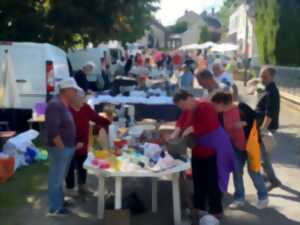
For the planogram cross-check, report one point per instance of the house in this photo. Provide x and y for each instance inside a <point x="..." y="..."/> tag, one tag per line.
<point x="242" y="29"/>
<point x="155" y="37"/>
<point x="158" y="36"/>
<point x="196" y="22"/>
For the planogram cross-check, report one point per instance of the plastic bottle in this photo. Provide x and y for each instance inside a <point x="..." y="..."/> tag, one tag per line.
<point x="113" y="133"/>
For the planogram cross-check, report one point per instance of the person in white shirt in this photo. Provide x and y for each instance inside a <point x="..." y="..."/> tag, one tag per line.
<point x="225" y="78"/>
<point x="206" y="80"/>
<point x="221" y="75"/>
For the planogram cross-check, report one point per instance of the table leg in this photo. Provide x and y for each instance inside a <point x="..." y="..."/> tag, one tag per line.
<point x="101" y="197"/>
<point x="176" y="199"/>
<point x="118" y="193"/>
<point x="154" y="195"/>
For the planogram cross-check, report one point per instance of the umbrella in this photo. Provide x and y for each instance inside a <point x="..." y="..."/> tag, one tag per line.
<point x="225" y="47"/>
<point x="9" y="97"/>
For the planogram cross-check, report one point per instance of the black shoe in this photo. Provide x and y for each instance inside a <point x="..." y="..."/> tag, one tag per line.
<point x="63" y="212"/>
<point x="68" y="204"/>
<point x="274" y="185"/>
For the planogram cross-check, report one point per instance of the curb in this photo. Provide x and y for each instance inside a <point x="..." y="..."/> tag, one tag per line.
<point x="291" y="98"/>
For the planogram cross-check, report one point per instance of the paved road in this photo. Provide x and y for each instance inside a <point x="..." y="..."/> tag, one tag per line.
<point x="284" y="203"/>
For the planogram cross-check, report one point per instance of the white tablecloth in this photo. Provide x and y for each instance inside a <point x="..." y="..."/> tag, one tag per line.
<point x="163" y="100"/>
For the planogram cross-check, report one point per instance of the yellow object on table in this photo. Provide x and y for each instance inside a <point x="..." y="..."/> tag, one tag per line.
<point x="115" y="164"/>
<point x="102" y="154"/>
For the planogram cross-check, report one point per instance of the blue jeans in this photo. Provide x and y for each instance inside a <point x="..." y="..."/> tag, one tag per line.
<point x="257" y="178"/>
<point x="59" y="164"/>
<point x="267" y="165"/>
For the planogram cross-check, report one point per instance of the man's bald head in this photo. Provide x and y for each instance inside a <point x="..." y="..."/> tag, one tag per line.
<point x="206" y="79"/>
<point x="217" y="69"/>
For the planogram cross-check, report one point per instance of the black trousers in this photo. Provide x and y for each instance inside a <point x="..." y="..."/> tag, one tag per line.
<point x="207" y="194"/>
<point x="76" y="167"/>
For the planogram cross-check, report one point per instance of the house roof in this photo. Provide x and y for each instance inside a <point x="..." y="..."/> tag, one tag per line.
<point x="211" y="21"/>
<point x="159" y="25"/>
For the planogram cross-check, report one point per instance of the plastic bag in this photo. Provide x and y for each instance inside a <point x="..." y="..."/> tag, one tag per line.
<point x="253" y="150"/>
<point x="6" y="168"/>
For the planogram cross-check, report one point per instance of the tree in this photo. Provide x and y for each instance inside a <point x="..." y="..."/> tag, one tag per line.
<point x="70" y="22"/>
<point x="277" y="32"/>
<point x="288" y="35"/>
<point x="178" y="28"/>
<point x="205" y="35"/>
<point x="22" y="20"/>
<point x="266" y="30"/>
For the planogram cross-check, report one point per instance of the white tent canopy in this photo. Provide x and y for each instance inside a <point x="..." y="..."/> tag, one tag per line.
<point x="9" y="97"/>
<point x="190" y="47"/>
<point x="208" y="44"/>
<point x="197" y="46"/>
<point x="224" y="47"/>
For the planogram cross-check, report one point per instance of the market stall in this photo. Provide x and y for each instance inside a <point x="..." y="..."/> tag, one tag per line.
<point x="160" y="108"/>
<point x="137" y="152"/>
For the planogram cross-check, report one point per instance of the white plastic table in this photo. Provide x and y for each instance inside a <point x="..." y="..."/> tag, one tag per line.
<point x="143" y="173"/>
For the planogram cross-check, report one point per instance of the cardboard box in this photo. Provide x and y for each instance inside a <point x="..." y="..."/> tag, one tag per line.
<point x="117" y="217"/>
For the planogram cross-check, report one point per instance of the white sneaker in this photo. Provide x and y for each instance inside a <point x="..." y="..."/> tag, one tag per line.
<point x="261" y="204"/>
<point x="237" y="204"/>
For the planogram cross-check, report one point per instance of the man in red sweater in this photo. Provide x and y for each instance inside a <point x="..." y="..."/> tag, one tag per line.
<point x="200" y="118"/>
<point x="82" y="114"/>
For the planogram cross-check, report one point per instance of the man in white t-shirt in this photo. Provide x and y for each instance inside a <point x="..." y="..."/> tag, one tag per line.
<point x="223" y="77"/>
<point x="206" y="80"/>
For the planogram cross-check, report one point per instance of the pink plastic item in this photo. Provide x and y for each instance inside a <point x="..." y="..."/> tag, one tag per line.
<point x="95" y="162"/>
<point x="103" y="164"/>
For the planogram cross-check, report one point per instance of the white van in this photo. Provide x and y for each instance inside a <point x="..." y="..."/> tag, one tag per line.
<point x="79" y="57"/>
<point x="38" y="68"/>
<point x="111" y="51"/>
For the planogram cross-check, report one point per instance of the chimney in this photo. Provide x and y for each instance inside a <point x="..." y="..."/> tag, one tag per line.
<point x="213" y="11"/>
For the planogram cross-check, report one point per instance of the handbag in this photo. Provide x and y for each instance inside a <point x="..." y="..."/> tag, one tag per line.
<point x="268" y="140"/>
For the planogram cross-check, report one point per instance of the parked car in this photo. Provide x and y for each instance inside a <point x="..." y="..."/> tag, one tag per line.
<point x="38" y="69"/>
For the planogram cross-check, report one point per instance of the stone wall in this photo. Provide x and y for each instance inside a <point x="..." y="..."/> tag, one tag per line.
<point x="287" y="79"/>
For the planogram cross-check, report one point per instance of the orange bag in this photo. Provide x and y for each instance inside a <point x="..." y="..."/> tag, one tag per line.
<point x="6" y="168"/>
<point x="253" y="150"/>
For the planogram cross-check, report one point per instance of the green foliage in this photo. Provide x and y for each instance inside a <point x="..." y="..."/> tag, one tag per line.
<point x="277" y="32"/>
<point x="204" y="35"/>
<point x="68" y="23"/>
<point x="178" y="28"/>
<point x="267" y="24"/>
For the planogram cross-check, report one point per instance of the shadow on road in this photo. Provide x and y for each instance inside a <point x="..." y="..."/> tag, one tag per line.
<point x="294" y="194"/>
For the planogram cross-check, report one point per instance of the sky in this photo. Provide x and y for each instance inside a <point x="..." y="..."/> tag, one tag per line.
<point x="171" y="10"/>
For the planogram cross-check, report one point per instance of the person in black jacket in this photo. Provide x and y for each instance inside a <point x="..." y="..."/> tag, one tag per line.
<point x="128" y="65"/>
<point x="81" y="76"/>
<point x="268" y="109"/>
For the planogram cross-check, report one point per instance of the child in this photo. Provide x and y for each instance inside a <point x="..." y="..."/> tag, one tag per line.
<point x="231" y="120"/>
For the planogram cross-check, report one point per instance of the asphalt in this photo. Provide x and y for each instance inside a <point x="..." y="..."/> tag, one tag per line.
<point x="284" y="206"/>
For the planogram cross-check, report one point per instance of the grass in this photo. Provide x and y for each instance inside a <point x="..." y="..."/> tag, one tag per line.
<point x="17" y="192"/>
